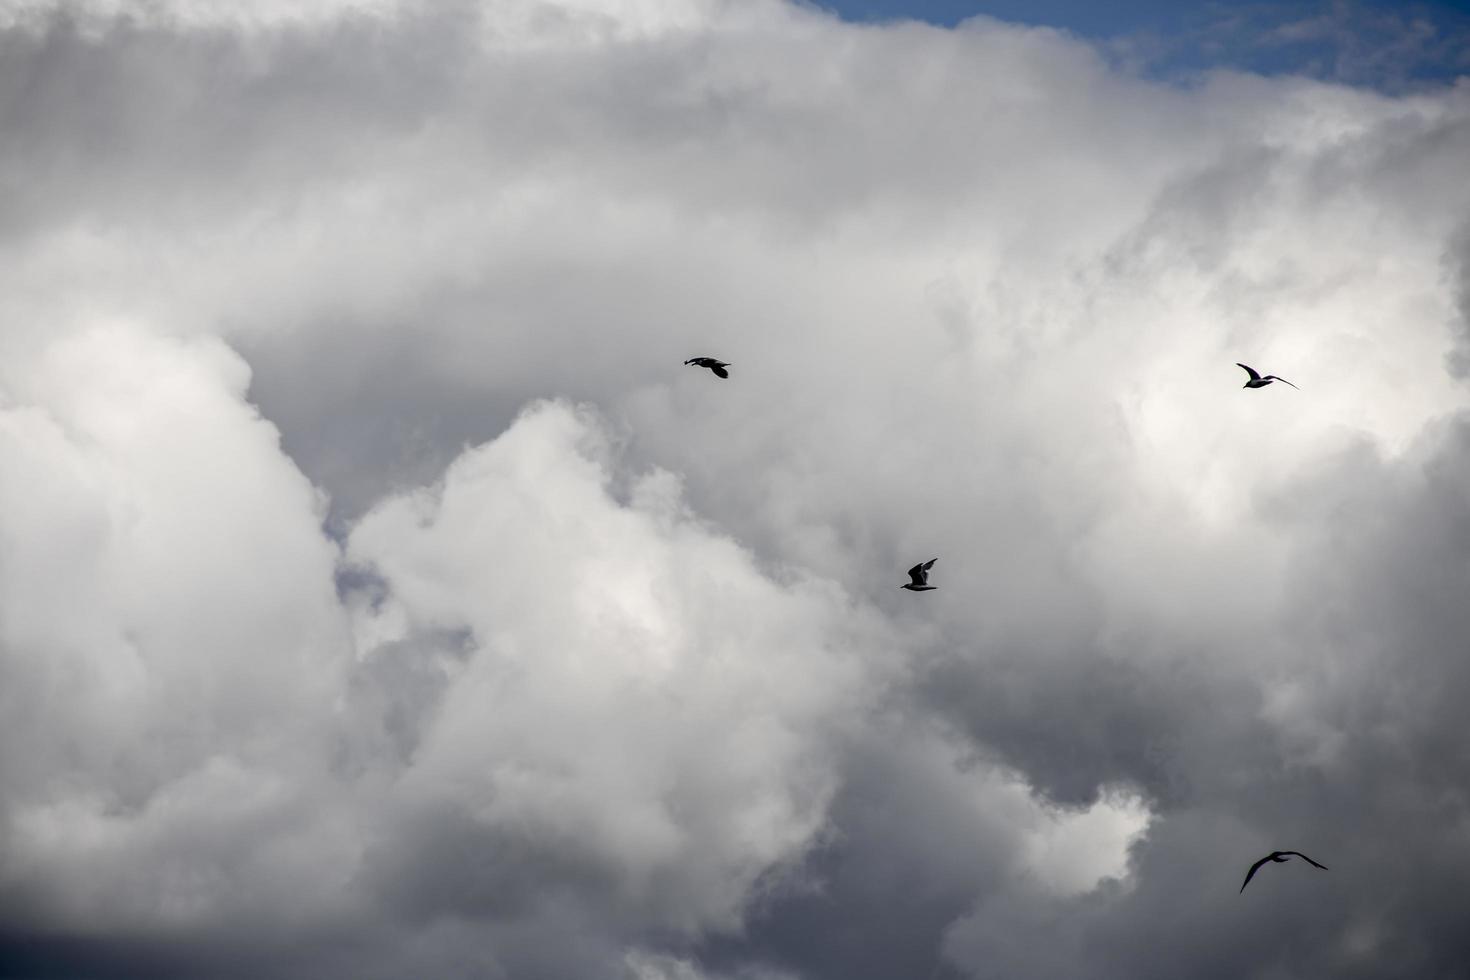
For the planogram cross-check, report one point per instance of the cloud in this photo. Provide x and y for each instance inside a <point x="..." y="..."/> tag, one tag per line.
<point x="381" y="595"/>
<point x="618" y="718"/>
<point x="661" y="715"/>
<point x="172" y="641"/>
<point x="1353" y="749"/>
<point x="100" y="16"/>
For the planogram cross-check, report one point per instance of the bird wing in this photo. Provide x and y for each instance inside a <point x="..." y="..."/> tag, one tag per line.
<point x="920" y="572"/>
<point x="1249" y="370"/>
<point x="1255" y="867"/>
<point x="720" y="371"/>
<point x="1272" y="377"/>
<point x="1306" y="859"/>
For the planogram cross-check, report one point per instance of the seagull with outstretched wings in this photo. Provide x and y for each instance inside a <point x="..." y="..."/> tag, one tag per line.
<point x="1280" y="857"/>
<point x="1257" y="381"/>
<point x="717" y="366"/>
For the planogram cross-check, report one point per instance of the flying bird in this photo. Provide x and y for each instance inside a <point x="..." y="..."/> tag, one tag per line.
<point x="1280" y="857"/>
<point x="920" y="577"/>
<point x="1256" y="381"/>
<point x="718" y="367"/>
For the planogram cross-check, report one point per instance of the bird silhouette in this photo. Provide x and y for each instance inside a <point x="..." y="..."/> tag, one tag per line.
<point x="718" y="367"/>
<point x="1280" y="857"/>
<point x="1257" y="381"/>
<point x="920" y="577"/>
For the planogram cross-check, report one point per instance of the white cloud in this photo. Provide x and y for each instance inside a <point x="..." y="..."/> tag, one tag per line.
<point x="637" y="696"/>
<point x="1071" y="852"/>
<point x="653" y="966"/>
<point x="186" y="15"/>
<point x="631" y="682"/>
<point x="172" y="642"/>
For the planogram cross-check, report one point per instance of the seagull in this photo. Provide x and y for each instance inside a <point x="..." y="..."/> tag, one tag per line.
<point x="1279" y="857"/>
<point x="920" y="576"/>
<point x="718" y="367"/>
<point x="1257" y="381"/>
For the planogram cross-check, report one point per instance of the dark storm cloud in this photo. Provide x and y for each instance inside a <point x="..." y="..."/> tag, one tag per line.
<point x="621" y="683"/>
<point x="1376" y="628"/>
<point x="1364" y="748"/>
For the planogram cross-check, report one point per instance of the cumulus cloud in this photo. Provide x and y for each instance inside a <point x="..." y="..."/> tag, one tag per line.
<point x="380" y="595"/>
<point x="577" y="701"/>
<point x="172" y="642"/>
<point x="642" y="706"/>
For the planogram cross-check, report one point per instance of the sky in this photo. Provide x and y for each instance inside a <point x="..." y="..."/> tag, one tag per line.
<point x="1120" y="16"/>
<point x="381" y="595"/>
<point x="1393" y="44"/>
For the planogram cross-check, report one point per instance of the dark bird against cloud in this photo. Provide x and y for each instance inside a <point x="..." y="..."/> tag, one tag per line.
<point x="1280" y="857"/>
<point x="919" y="575"/>
<point x="1257" y="381"/>
<point x="718" y="367"/>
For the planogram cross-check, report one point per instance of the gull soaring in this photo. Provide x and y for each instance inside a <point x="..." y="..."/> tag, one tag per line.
<point x="1257" y="381"/>
<point x="717" y="366"/>
<point x="1280" y="857"/>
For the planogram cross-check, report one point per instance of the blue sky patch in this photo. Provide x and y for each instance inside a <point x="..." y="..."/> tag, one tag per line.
<point x="1389" y="45"/>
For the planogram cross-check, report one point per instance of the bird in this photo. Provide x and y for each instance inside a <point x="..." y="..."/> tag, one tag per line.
<point x="1280" y="857"/>
<point x="920" y="577"/>
<point x="718" y="367"/>
<point x="1256" y="381"/>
